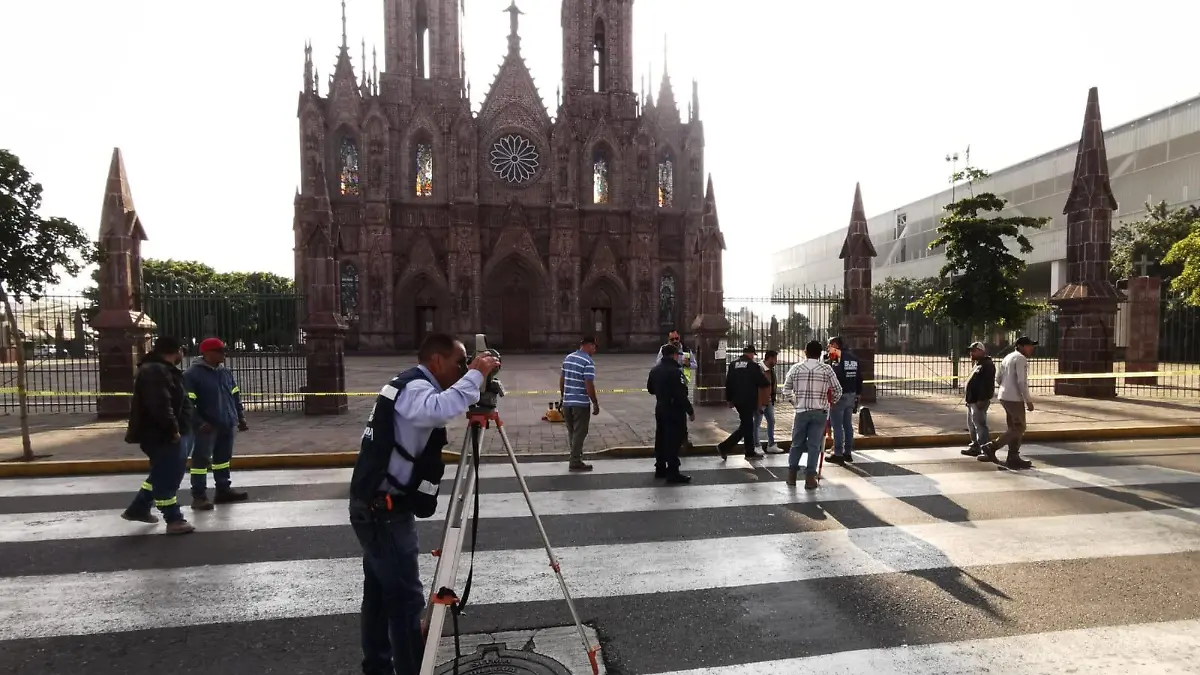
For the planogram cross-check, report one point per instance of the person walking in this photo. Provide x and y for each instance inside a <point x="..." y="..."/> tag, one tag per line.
<point x="813" y="387"/>
<point x="841" y="415"/>
<point x="217" y="397"/>
<point x="687" y="364"/>
<point x="770" y="359"/>
<point x="396" y="480"/>
<point x="672" y="411"/>
<point x="1013" y="377"/>
<point x="160" y="422"/>
<point x="577" y="391"/>
<point x="742" y="382"/>
<point x="981" y="386"/>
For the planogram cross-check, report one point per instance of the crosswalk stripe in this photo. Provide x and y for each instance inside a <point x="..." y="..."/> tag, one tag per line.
<point x="79" y="604"/>
<point x="80" y="485"/>
<point x="1167" y="648"/>
<point x="842" y="486"/>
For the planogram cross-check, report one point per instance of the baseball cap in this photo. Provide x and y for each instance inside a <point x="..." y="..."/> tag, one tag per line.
<point x="749" y="348"/>
<point x="212" y="345"/>
<point x="1024" y="340"/>
<point x="977" y="345"/>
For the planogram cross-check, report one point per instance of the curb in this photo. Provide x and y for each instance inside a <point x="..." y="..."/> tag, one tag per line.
<point x="332" y="460"/>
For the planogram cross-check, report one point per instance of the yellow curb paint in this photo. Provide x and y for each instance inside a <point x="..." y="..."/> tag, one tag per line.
<point x="331" y="460"/>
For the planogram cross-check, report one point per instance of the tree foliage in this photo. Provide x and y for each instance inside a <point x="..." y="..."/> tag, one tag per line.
<point x="1153" y="236"/>
<point x="34" y="251"/>
<point x="983" y="276"/>
<point x="1185" y="255"/>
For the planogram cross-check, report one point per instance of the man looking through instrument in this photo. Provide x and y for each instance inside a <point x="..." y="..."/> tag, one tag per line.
<point x="396" y="480"/>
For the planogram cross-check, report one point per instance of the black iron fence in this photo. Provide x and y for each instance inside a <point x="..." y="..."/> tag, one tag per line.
<point x="916" y="355"/>
<point x="265" y="346"/>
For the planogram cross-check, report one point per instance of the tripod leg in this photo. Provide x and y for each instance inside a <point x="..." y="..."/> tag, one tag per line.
<point x="446" y="572"/>
<point x="587" y="645"/>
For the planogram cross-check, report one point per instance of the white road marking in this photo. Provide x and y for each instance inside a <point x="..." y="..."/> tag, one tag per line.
<point x="1168" y="648"/>
<point x="81" y="604"/>
<point x="841" y="486"/>
<point x="129" y="483"/>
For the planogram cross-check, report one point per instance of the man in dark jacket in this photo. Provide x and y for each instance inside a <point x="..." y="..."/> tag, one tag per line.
<point x="160" y="422"/>
<point x="742" y="382"/>
<point x="980" y="389"/>
<point x="220" y="415"/>
<point x="668" y="384"/>
<point x="841" y="416"/>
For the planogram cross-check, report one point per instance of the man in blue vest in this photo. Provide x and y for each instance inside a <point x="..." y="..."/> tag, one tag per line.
<point x="220" y="415"/>
<point x="841" y="416"/>
<point x="396" y="480"/>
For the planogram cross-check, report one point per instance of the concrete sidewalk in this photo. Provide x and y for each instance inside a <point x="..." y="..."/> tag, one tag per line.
<point x="626" y="421"/>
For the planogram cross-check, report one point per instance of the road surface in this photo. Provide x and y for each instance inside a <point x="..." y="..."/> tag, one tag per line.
<point x="909" y="561"/>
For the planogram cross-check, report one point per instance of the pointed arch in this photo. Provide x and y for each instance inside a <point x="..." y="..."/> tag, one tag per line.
<point x="422" y="161"/>
<point x="602" y="169"/>
<point x="348" y="167"/>
<point x="348" y="285"/>
<point x="668" y="297"/>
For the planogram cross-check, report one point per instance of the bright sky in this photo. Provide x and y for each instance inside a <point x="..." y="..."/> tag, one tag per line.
<point x="800" y="100"/>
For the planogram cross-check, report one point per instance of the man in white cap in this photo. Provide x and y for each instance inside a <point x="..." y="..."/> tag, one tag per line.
<point x="1014" y="396"/>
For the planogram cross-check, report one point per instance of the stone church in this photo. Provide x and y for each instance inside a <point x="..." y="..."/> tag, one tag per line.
<point x="530" y="227"/>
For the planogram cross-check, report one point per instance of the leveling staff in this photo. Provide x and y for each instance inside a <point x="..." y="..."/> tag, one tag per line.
<point x="396" y="480"/>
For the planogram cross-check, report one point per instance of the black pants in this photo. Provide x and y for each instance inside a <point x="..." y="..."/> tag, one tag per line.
<point x="745" y="430"/>
<point x="670" y="430"/>
<point x="393" y="595"/>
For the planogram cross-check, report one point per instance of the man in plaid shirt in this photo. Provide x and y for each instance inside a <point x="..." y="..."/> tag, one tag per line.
<point x="813" y="387"/>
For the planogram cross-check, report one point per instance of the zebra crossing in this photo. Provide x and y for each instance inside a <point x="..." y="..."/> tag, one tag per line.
<point x="907" y="561"/>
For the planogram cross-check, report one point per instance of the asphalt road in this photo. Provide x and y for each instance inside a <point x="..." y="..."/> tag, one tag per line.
<point x="908" y="561"/>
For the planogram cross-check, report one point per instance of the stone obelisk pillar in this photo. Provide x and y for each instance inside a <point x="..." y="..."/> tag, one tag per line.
<point x="859" y="329"/>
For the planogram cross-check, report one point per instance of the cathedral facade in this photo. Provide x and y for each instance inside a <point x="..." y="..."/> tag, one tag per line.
<point x="530" y="228"/>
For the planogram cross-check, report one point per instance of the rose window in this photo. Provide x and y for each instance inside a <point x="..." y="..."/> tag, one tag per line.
<point x="514" y="158"/>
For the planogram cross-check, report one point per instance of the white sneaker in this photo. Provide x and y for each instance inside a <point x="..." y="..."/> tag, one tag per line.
<point x="774" y="449"/>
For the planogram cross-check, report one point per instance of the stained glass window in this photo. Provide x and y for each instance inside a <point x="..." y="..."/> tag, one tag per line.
<point x="666" y="183"/>
<point x="424" y="170"/>
<point x="600" y="179"/>
<point x="666" y="300"/>
<point x="348" y="177"/>
<point x="349" y="290"/>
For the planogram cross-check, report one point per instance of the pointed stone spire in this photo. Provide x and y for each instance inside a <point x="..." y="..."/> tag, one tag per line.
<point x="345" y="42"/>
<point x="308" y="68"/>
<point x="666" y="94"/>
<point x="710" y="197"/>
<point x="1090" y="187"/>
<point x="118" y="201"/>
<point x="695" y="100"/>
<point x="858" y="324"/>
<point x="363" y="84"/>
<point x="858" y="238"/>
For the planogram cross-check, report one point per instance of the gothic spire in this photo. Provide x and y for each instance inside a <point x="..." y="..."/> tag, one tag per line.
<point x="1090" y="187"/>
<point x="514" y="38"/>
<point x="118" y="215"/>
<point x="345" y="43"/>
<point x="858" y="237"/>
<point x="695" y="100"/>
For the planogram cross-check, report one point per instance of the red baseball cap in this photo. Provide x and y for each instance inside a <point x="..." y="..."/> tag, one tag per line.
<point x="212" y="345"/>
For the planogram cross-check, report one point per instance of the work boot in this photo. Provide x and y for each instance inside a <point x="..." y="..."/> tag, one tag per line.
<point x="849" y="457"/>
<point x="988" y="454"/>
<point x="971" y="451"/>
<point x="791" y="477"/>
<point x="810" y="482"/>
<point x="229" y="496"/>
<point x="836" y="459"/>
<point x="180" y="527"/>
<point x="140" y="516"/>
<point x="201" y="503"/>
<point x="579" y="465"/>
<point x="1014" y="461"/>
<point x="678" y="478"/>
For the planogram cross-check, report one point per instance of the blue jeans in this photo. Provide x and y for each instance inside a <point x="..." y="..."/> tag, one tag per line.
<point x="977" y="423"/>
<point x="393" y="596"/>
<point x="767" y="411"/>
<point x="841" y="421"/>
<point x="167" y="461"/>
<point x="808" y="435"/>
<point x="213" y="451"/>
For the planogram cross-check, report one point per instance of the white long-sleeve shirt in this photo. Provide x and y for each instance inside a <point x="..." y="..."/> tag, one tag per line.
<point x="1013" y="378"/>
<point x="424" y="406"/>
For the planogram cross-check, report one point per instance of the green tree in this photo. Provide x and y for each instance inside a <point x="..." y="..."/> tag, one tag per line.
<point x="1185" y="255"/>
<point x="34" y="253"/>
<point x="983" y="288"/>
<point x="1153" y="236"/>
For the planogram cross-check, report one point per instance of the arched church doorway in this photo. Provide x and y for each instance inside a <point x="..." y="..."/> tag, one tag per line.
<point x="514" y="292"/>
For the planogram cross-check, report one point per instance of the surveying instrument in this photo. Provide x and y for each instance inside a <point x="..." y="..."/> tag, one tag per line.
<point x="443" y="599"/>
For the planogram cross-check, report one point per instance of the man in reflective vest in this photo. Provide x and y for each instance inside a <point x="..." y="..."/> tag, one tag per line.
<point x="396" y="480"/>
<point x="219" y="416"/>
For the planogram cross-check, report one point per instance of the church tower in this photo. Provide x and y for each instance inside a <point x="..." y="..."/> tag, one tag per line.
<point x="423" y="55"/>
<point x="598" y="56"/>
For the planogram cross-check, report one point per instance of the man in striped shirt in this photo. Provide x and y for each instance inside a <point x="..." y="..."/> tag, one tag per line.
<point x="577" y="388"/>
<point x="813" y="387"/>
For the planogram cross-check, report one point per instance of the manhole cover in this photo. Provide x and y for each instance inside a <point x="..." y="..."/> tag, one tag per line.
<point x="497" y="658"/>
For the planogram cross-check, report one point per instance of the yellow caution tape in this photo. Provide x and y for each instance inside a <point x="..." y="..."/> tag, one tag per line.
<point x="555" y="392"/>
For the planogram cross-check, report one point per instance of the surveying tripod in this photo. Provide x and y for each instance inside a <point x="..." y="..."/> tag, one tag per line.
<point x="443" y="599"/>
